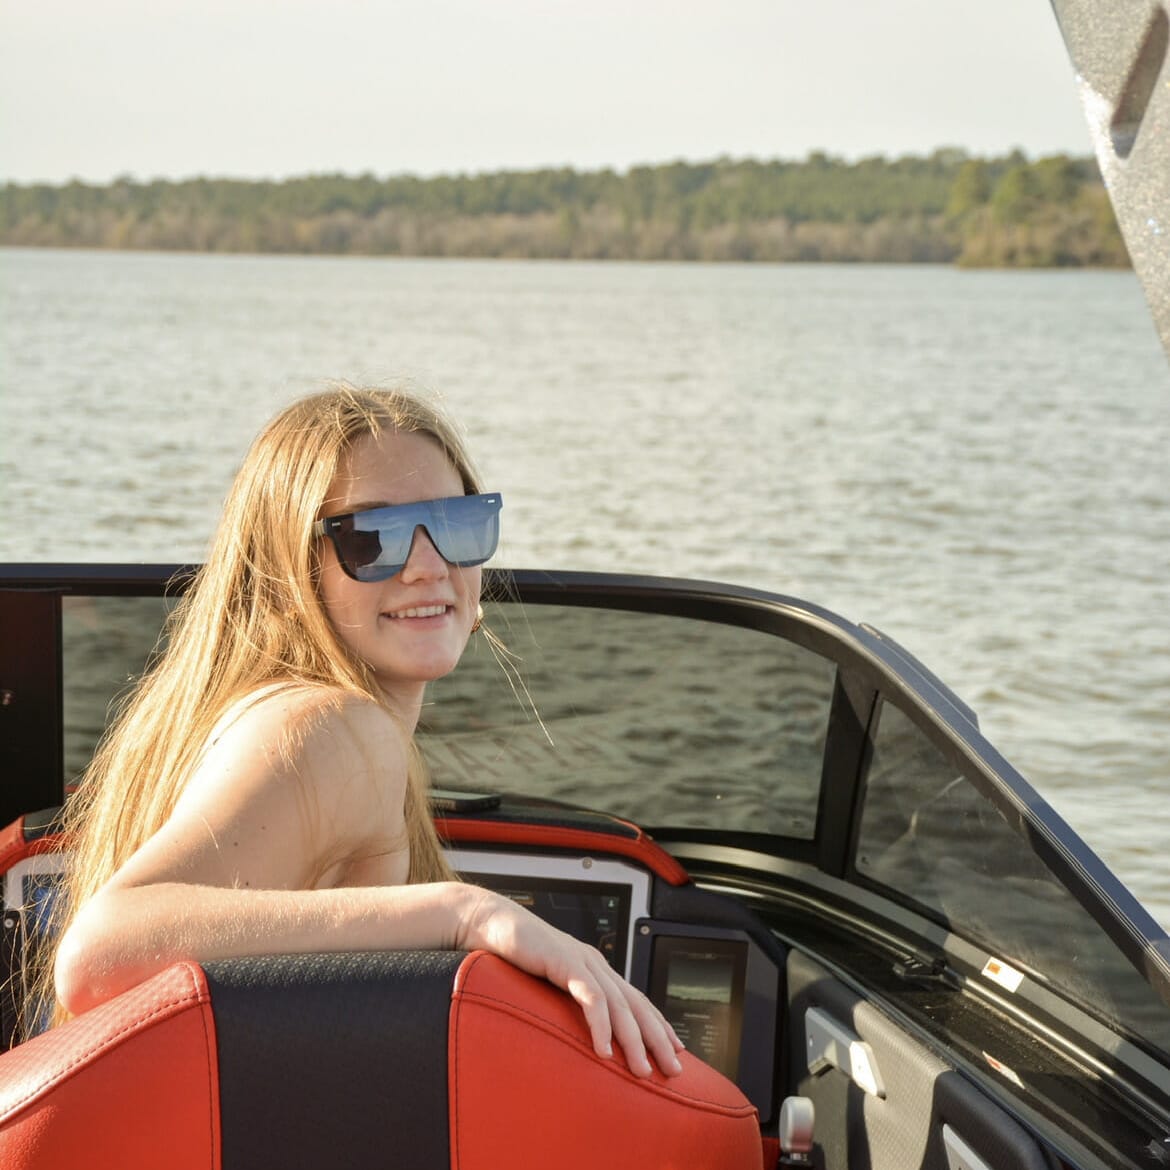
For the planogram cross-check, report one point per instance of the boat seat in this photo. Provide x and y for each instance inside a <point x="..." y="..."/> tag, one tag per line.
<point x="410" y="1059"/>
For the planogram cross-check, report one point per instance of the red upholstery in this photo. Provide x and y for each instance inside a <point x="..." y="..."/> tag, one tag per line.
<point x="16" y="844"/>
<point x="526" y="1089"/>
<point x="136" y="1083"/>
<point x="130" y="1085"/>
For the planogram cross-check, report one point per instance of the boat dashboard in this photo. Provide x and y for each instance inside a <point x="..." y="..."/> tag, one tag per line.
<point x="718" y="983"/>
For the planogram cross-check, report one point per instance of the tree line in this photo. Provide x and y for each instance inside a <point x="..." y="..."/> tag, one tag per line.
<point x="946" y="207"/>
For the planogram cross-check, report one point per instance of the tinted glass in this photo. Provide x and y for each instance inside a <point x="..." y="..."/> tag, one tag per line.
<point x="664" y="720"/>
<point x="106" y="642"/>
<point x="930" y="835"/>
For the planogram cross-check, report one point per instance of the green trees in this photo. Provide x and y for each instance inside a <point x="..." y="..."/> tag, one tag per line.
<point x="1050" y="213"/>
<point x="970" y="190"/>
<point x="943" y="207"/>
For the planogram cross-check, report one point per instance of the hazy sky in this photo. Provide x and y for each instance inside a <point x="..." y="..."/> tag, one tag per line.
<point x="173" y="88"/>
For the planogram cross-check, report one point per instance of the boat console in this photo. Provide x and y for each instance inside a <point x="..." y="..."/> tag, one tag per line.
<point x="718" y="983"/>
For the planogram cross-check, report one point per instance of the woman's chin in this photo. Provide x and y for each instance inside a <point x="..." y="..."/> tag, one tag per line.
<point x="418" y="670"/>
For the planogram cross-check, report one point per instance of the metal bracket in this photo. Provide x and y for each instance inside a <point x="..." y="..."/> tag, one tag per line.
<point x="830" y="1044"/>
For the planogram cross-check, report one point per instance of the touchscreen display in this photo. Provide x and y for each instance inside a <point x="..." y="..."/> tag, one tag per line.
<point x="595" y="913"/>
<point x="698" y="985"/>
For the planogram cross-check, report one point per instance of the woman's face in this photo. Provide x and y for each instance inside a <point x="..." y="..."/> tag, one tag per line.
<point x="412" y="627"/>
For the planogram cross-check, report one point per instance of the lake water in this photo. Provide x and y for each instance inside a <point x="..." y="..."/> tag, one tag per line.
<point x="976" y="462"/>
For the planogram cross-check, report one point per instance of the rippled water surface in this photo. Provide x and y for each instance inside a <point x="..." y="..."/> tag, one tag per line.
<point x="975" y="462"/>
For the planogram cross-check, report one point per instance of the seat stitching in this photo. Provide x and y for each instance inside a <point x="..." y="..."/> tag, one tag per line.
<point x="509" y="1008"/>
<point x="216" y="1154"/>
<point x="454" y="1039"/>
<point x="106" y="1043"/>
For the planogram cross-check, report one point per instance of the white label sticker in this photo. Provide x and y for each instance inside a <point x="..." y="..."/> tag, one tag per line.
<point x="1003" y="1069"/>
<point x="999" y="972"/>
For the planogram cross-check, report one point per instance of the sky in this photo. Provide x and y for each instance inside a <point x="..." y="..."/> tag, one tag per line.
<point x="94" y="89"/>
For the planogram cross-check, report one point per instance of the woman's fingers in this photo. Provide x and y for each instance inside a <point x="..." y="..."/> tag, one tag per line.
<point x="661" y="1041"/>
<point x="594" y="1004"/>
<point x="629" y="1018"/>
<point x="629" y="1035"/>
<point x="613" y="1010"/>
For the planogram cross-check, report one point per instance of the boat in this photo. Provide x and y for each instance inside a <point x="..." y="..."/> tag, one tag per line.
<point x="778" y="823"/>
<point x="883" y="948"/>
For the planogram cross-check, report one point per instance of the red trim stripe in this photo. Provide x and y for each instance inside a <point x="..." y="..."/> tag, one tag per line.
<point x="642" y="849"/>
<point x="15" y="847"/>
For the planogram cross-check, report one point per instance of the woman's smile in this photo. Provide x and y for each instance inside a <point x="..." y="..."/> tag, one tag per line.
<point x="419" y="611"/>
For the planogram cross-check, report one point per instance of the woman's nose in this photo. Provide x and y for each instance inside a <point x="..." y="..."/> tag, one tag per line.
<point x="424" y="559"/>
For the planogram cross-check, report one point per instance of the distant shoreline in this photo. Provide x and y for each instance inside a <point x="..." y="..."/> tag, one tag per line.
<point x="98" y="249"/>
<point x="945" y="208"/>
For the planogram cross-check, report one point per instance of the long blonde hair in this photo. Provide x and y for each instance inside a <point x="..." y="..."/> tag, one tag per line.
<point x="251" y="617"/>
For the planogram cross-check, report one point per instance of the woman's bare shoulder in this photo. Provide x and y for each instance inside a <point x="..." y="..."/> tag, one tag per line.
<point x="335" y="751"/>
<point x="290" y="722"/>
<point x="296" y="780"/>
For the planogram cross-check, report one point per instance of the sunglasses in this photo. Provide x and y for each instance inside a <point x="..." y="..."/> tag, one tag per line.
<point x="375" y="544"/>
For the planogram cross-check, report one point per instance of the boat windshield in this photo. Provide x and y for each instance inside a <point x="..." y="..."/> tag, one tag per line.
<point x="930" y="835"/>
<point x="698" y="721"/>
<point x="655" y="718"/>
<point x="681" y="724"/>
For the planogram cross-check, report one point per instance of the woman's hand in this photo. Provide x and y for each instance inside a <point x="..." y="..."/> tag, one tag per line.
<point x="613" y="1009"/>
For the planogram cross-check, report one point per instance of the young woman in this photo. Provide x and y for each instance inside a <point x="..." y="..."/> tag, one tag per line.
<point x="261" y="791"/>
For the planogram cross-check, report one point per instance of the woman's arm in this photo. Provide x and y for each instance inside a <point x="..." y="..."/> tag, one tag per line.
<point x="125" y="935"/>
<point x="296" y="783"/>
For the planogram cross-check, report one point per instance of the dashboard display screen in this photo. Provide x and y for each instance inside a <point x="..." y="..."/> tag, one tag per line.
<point x="594" y="912"/>
<point x="698" y="984"/>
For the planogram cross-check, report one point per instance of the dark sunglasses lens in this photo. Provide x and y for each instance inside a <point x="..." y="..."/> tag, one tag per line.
<point x="358" y="549"/>
<point x="373" y="551"/>
<point x="374" y="545"/>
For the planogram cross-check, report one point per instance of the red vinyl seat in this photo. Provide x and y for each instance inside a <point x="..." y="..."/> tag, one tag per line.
<point x="398" y="1059"/>
<point x="132" y="1083"/>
